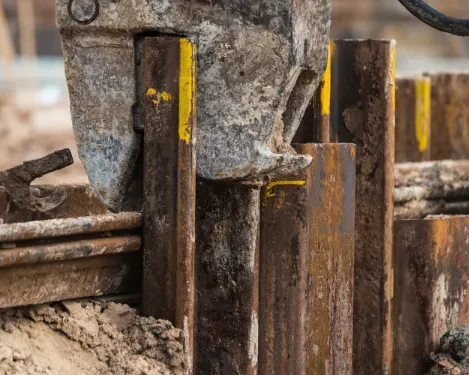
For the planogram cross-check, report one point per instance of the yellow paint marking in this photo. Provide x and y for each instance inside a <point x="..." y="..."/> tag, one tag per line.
<point x="151" y="91"/>
<point x="393" y="73"/>
<point x="186" y="89"/>
<point x="166" y="96"/>
<point x="422" y="112"/>
<point x="160" y="96"/>
<point x="269" y="188"/>
<point x="326" y="86"/>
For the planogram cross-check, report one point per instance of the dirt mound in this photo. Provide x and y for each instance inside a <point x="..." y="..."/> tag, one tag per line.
<point x="87" y="338"/>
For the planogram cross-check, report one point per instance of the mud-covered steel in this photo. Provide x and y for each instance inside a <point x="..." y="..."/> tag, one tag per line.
<point x="447" y="179"/>
<point x="450" y="116"/>
<point x="60" y="280"/>
<point x="169" y="182"/>
<point x="315" y="125"/>
<point x="306" y="266"/>
<point x="43" y="253"/>
<point x="69" y="227"/>
<point x="363" y="104"/>
<point x="79" y="200"/>
<point x="424" y="208"/>
<point x="432" y="274"/>
<point x="413" y="119"/>
<point x="431" y="188"/>
<point x="227" y="279"/>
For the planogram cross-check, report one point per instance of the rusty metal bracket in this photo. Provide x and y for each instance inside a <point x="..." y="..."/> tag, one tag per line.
<point x="17" y="181"/>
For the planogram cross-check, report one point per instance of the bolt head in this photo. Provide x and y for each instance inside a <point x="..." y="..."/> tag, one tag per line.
<point x="83" y="11"/>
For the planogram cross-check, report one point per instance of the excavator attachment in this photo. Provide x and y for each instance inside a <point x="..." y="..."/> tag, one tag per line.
<point x="258" y="64"/>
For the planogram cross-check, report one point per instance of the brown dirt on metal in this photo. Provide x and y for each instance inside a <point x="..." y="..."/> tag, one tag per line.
<point x="87" y="338"/>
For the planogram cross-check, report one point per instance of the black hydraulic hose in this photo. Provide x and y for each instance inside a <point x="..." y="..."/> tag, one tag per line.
<point x="435" y="19"/>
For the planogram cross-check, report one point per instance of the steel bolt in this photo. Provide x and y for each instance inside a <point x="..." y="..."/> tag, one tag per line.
<point x="83" y="11"/>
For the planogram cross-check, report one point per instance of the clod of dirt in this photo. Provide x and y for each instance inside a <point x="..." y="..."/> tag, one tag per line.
<point x="453" y="353"/>
<point x="445" y="365"/>
<point x="87" y="338"/>
<point x="456" y="344"/>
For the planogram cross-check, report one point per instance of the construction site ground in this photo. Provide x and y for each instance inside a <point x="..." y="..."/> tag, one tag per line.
<point x="87" y="338"/>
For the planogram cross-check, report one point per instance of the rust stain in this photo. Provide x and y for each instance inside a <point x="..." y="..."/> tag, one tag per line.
<point x="306" y="268"/>
<point x="432" y="261"/>
<point x="332" y="263"/>
<point x="67" y="279"/>
<point x="81" y="200"/>
<point x="364" y="100"/>
<point x="43" y="253"/>
<point x="169" y="184"/>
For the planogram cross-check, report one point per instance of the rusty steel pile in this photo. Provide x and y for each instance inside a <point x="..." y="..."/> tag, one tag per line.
<point x="354" y="265"/>
<point x="287" y="212"/>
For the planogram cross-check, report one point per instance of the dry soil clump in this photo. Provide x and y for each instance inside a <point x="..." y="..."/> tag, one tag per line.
<point x="452" y="357"/>
<point x="87" y="337"/>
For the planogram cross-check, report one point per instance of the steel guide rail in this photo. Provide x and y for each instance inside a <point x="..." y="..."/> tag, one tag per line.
<point x="55" y="259"/>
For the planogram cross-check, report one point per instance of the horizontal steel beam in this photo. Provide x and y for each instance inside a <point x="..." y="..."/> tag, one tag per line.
<point x="67" y="279"/>
<point x="67" y="227"/>
<point x="69" y="250"/>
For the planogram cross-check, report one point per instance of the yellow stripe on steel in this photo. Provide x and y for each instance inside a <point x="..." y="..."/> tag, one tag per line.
<point x="422" y="112"/>
<point x="186" y="89"/>
<point x="393" y="75"/>
<point x="326" y="86"/>
<point x="269" y="188"/>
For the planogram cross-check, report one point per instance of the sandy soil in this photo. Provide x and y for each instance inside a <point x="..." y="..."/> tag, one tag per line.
<point x="87" y="337"/>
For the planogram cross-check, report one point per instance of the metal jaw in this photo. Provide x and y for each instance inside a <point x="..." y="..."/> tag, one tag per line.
<point x="258" y="65"/>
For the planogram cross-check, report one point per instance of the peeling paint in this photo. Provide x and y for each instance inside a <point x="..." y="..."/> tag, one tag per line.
<point x="269" y="188"/>
<point x="326" y="86"/>
<point x="422" y="113"/>
<point x="186" y="89"/>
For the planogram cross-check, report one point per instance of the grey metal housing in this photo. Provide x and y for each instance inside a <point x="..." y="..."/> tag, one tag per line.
<point x="258" y="64"/>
